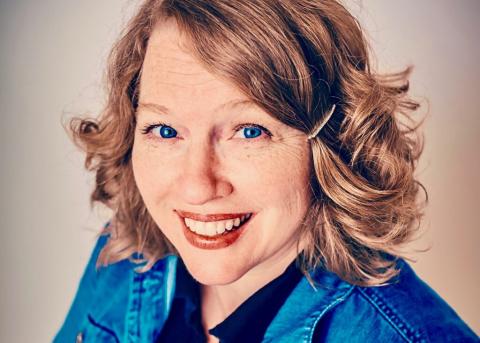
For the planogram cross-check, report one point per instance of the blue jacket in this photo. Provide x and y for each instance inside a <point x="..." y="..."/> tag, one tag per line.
<point x="117" y="304"/>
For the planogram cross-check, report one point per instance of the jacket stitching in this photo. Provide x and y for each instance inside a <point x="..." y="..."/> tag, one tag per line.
<point x="389" y="314"/>
<point x="311" y="329"/>
<point x="133" y="317"/>
<point x="103" y="328"/>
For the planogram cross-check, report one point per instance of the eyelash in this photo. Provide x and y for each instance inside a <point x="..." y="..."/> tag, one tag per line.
<point x="147" y="129"/>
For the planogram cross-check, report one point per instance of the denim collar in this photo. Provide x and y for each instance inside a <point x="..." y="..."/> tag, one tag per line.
<point x="306" y="305"/>
<point x="139" y="305"/>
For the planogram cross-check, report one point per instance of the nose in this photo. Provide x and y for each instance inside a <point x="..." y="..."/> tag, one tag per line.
<point x="201" y="180"/>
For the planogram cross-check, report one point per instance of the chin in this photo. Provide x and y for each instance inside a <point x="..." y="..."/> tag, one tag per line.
<point x="211" y="273"/>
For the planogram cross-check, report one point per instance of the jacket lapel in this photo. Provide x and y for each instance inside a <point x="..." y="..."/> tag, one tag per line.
<point x="151" y="301"/>
<point x="306" y="305"/>
<point x="134" y="308"/>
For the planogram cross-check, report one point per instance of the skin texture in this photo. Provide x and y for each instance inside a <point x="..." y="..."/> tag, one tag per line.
<point x="211" y="167"/>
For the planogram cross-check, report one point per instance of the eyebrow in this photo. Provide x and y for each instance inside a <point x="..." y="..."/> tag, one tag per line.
<point x="161" y="109"/>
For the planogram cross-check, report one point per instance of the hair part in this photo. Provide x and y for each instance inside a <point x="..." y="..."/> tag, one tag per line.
<point x="294" y="59"/>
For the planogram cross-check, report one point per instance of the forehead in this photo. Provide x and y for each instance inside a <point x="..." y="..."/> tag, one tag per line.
<point x="172" y="73"/>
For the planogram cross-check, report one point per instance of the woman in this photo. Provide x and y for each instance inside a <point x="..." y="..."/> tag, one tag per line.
<point x="261" y="180"/>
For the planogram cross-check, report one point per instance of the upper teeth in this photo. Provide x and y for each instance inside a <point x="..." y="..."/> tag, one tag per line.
<point x="214" y="228"/>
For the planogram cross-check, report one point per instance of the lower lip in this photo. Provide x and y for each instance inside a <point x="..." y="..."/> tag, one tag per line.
<point x="214" y="242"/>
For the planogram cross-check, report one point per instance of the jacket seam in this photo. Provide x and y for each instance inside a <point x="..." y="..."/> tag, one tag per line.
<point x="101" y="327"/>
<point x="312" y="327"/>
<point x="380" y="307"/>
<point x="133" y="321"/>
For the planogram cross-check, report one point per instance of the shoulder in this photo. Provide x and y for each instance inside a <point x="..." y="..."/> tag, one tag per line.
<point x="117" y="303"/>
<point x="406" y="310"/>
<point x="96" y="293"/>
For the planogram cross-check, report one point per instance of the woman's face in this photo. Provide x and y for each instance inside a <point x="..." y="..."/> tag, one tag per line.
<point x="225" y="182"/>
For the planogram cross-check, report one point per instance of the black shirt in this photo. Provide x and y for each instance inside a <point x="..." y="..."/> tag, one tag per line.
<point x="247" y="323"/>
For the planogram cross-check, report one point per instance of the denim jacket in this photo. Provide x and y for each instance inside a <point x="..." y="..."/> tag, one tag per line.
<point x="117" y="304"/>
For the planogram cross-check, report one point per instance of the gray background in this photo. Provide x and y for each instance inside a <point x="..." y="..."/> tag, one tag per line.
<point x="51" y="63"/>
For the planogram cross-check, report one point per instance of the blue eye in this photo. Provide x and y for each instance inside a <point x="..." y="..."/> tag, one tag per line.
<point x="252" y="132"/>
<point x="165" y="131"/>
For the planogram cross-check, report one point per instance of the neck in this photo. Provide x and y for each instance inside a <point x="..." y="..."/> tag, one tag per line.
<point x="219" y="301"/>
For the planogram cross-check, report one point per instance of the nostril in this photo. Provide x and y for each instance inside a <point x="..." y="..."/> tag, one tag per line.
<point x="198" y="190"/>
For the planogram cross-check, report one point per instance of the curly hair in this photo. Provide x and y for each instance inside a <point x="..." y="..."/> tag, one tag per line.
<point x="294" y="59"/>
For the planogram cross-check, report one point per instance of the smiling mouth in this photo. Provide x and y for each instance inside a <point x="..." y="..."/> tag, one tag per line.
<point x="213" y="231"/>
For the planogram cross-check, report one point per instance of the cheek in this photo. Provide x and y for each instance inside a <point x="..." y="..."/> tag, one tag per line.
<point x="281" y="173"/>
<point x="275" y="182"/>
<point x="152" y="174"/>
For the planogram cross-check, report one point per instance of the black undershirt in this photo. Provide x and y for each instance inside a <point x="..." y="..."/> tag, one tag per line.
<point x="247" y="323"/>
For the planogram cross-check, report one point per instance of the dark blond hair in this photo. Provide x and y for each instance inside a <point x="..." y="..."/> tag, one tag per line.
<point x="294" y="59"/>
